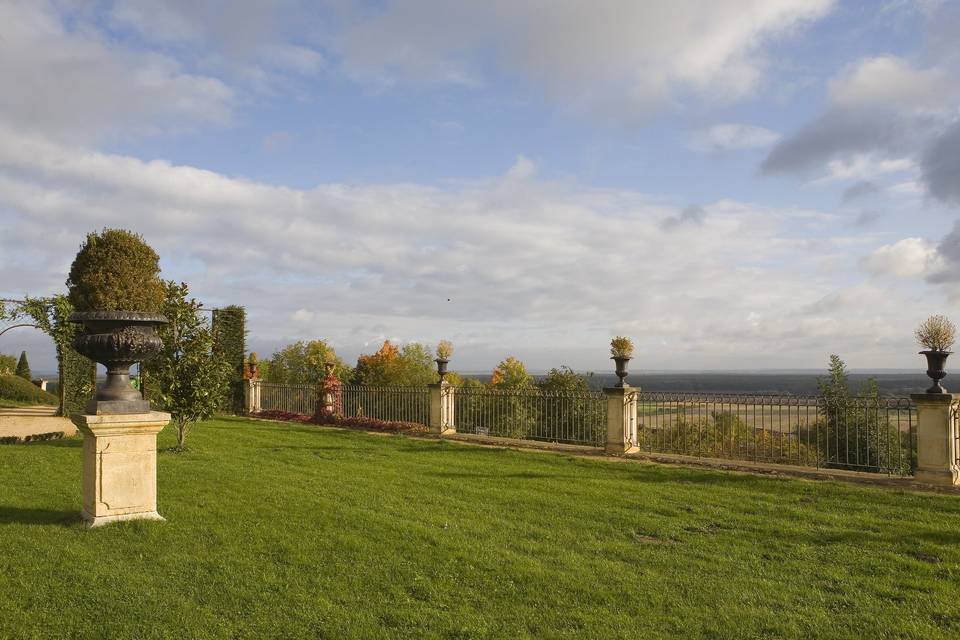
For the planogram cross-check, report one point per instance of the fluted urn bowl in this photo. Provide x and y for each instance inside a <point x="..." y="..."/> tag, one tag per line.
<point x="117" y="339"/>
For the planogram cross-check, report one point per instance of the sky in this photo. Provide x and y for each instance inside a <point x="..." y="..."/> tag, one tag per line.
<point x="734" y="184"/>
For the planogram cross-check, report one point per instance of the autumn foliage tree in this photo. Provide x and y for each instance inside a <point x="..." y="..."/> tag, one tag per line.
<point x="412" y="366"/>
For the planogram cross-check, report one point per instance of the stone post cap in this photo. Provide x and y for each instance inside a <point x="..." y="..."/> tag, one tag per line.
<point x="619" y="391"/>
<point x="439" y="385"/>
<point x="934" y="398"/>
<point x="121" y="421"/>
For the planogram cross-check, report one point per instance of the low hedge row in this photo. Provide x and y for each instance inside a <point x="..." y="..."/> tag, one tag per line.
<point x="34" y="437"/>
<point x="16" y="388"/>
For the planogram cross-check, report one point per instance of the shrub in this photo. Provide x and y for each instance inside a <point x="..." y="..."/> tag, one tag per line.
<point x="115" y="270"/>
<point x="7" y="364"/>
<point x="936" y="333"/>
<point x="621" y="347"/>
<point x="16" y="388"/>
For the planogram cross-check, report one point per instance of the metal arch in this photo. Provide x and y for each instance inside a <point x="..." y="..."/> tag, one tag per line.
<point x="14" y="326"/>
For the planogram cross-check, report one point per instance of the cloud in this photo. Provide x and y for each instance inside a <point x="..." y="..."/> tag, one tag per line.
<point x="910" y="257"/>
<point x="692" y="215"/>
<point x="891" y="81"/>
<point x="859" y="190"/>
<point x="529" y="265"/>
<point x="883" y="116"/>
<point x="732" y="137"/>
<point x="73" y="84"/>
<point x="941" y="166"/>
<point x="617" y="57"/>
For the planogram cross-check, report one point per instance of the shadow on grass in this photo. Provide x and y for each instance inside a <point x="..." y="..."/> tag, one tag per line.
<point x="20" y="515"/>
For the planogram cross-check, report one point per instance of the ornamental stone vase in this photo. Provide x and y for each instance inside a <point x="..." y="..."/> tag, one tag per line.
<point x="118" y="339"/>
<point x="621" y="370"/>
<point x="936" y="361"/>
<point x="442" y="367"/>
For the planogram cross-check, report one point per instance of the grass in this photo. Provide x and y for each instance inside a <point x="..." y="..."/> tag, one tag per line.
<point x="283" y="531"/>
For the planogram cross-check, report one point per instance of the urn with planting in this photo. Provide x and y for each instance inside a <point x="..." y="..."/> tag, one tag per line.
<point x="936" y="335"/>
<point x="621" y="351"/>
<point x="117" y="295"/>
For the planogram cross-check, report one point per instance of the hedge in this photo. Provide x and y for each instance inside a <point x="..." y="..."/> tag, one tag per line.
<point x="13" y="387"/>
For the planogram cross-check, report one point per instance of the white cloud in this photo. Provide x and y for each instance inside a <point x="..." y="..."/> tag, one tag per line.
<point x="732" y="137"/>
<point x="74" y="84"/>
<point x="889" y="81"/>
<point x="509" y="264"/>
<point x="619" y="57"/>
<point x="907" y="258"/>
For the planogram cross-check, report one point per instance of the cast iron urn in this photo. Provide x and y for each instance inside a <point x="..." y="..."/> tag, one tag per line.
<point x="117" y="339"/>
<point x="441" y="367"/>
<point x="621" y="369"/>
<point x="936" y="361"/>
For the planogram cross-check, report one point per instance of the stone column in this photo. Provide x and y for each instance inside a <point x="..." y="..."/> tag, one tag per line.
<point x="329" y="396"/>
<point x="621" y="420"/>
<point x="120" y="466"/>
<point x="937" y="438"/>
<point x="441" y="408"/>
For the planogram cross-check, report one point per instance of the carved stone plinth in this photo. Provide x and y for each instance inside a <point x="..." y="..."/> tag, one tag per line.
<point x="120" y="466"/>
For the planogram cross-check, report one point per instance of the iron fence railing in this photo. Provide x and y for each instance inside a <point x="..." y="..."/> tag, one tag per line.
<point x="532" y="414"/>
<point x="403" y="404"/>
<point x="955" y="424"/>
<point x="862" y="433"/>
<point x="295" y="398"/>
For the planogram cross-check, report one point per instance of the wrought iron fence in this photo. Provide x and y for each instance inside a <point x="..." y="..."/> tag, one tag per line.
<point x="955" y="418"/>
<point x="404" y="404"/>
<point x="863" y="434"/>
<point x="532" y="414"/>
<point x="296" y="398"/>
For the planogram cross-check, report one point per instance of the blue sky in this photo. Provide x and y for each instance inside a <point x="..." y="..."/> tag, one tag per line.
<point x="734" y="183"/>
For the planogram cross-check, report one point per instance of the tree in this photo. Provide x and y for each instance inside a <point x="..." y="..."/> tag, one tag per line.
<point x="23" y="367"/>
<point x="410" y="366"/>
<point x="188" y="378"/>
<point x="565" y="380"/>
<point x="855" y="432"/>
<point x="303" y="363"/>
<point x="511" y="374"/>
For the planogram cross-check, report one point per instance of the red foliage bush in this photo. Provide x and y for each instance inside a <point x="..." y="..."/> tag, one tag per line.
<point x="288" y="416"/>
<point x="350" y="422"/>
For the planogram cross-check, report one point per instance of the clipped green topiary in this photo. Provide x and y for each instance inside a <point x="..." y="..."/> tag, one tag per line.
<point x="23" y="367"/>
<point x="115" y="270"/>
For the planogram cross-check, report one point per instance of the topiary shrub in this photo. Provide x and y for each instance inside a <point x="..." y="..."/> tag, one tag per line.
<point x="115" y="270"/>
<point x="23" y="367"/>
<point x="14" y="387"/>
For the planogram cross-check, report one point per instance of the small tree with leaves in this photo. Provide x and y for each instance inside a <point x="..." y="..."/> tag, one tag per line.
<point x="188" y="377"/>
<point x="23" y="367"/>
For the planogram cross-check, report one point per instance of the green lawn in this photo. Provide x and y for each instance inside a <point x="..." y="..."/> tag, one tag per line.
<point x="293" y="531"/>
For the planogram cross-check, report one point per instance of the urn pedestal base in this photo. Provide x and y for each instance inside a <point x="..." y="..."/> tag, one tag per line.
<point x="120" y="466"/>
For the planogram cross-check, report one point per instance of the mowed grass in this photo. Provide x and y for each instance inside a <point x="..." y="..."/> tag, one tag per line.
<point x="285" y="531"/>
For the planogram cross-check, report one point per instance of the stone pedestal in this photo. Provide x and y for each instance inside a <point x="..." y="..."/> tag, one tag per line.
<point x="120" y="466"/>
<point x="937" y="446"/>
<point x="441" y="408"/>
<point x="621" y="420"/>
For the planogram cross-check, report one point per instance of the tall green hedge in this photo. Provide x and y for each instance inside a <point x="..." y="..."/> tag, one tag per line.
<point x="230" y="342"/>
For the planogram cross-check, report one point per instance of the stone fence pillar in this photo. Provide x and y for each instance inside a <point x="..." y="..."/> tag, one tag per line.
<point x="441" y="408"/>
<point x="621" y="420"/>
<point x="251" y="396"/>
<point x="937" y="446"/>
